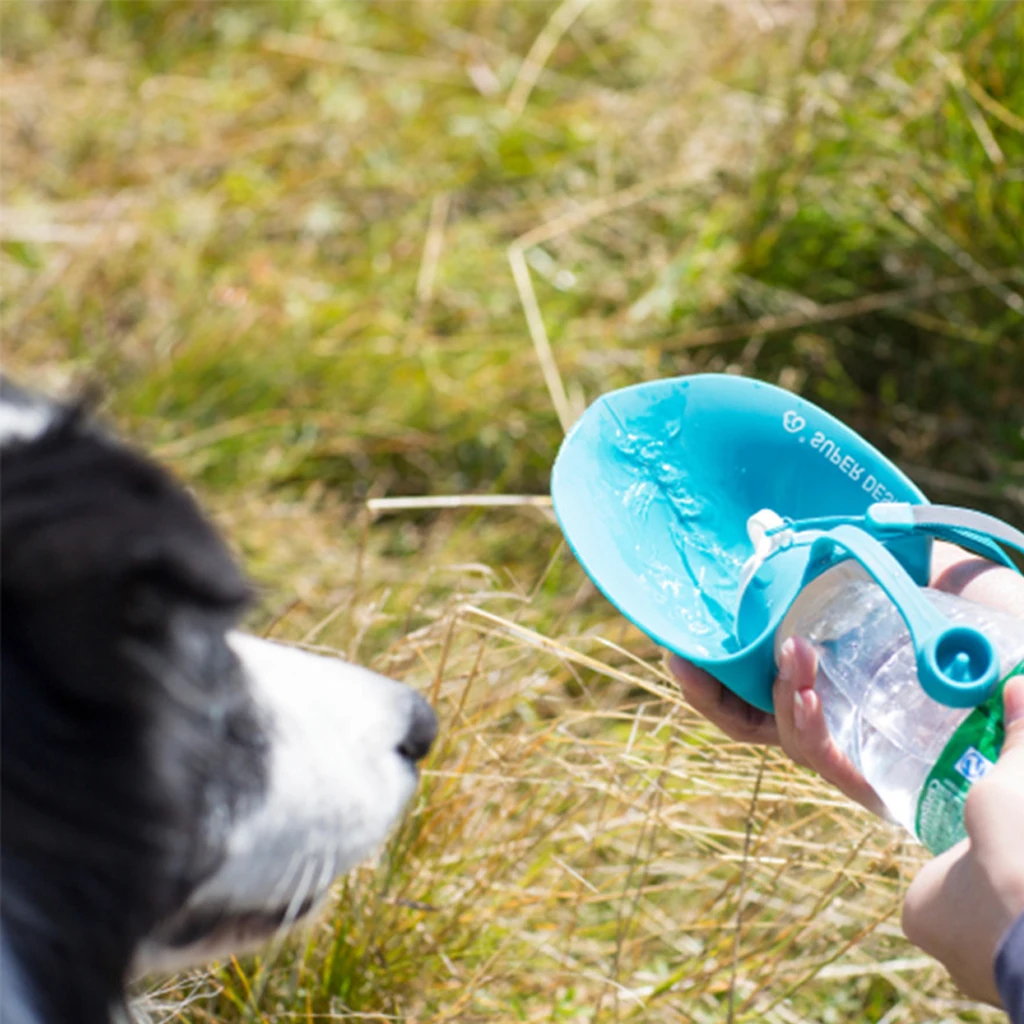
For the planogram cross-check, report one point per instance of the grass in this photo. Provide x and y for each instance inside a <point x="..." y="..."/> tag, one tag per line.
<point x="327" y="255"/>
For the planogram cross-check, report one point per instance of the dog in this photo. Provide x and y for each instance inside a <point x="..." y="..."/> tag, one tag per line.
<point x="171" y="788"/>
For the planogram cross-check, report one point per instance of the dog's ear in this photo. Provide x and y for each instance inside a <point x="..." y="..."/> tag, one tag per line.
<point x="179" y="559"/>
<point x="174" y="547"/>
<point x="78" y="506"/>
<point x="97" y="540"/>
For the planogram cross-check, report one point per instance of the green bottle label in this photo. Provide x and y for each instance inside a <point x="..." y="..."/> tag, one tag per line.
<point x="969" y="756"/>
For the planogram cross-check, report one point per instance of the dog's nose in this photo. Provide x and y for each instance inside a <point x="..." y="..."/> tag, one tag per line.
<point x="421" y="732"/>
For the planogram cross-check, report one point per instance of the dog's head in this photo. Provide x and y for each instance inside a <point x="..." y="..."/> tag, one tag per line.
<point x="171" y="789"/>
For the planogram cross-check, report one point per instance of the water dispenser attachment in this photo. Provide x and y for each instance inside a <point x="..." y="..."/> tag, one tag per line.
<point x="656" y="484"/>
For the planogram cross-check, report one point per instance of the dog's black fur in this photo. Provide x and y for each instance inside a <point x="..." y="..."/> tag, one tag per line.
<point x="111" y="579"/>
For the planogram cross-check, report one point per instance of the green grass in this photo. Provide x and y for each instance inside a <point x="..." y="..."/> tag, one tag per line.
<point x="283" y="236"/>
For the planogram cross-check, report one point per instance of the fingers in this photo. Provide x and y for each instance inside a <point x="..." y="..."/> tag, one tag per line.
<point x="994" y="811"/>
<point x="798" y="725"/>
<point x="988" y="799"/>
<point x="739" y="720"/>
<point x="1013" y="715"/>
<point x="803" y="732"/>
<point x="796" y="702"/>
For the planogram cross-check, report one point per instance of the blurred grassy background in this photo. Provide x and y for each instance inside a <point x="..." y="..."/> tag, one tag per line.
<point x="326" y="254"/>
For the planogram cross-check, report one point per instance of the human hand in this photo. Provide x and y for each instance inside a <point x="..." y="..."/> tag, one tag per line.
<point x="798" y="725"/>
<point x="962" y="902"/>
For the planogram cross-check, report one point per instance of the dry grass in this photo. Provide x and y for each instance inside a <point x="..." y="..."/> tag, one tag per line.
<point x="584" y="847"/>
<point x="330" y="258"/>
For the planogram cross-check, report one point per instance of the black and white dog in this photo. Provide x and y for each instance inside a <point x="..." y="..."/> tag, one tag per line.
<point x="171" y="789"/>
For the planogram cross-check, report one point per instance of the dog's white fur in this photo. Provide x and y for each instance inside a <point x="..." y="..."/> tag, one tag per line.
<point x="337" y="784"/>
<point x="23" y="422"/>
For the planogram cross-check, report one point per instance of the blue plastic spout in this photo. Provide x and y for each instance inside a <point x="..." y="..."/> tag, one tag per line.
<point x="958" y="666"/>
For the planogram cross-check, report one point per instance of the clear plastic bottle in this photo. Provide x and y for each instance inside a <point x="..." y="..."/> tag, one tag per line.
<point x="919" y="755"/>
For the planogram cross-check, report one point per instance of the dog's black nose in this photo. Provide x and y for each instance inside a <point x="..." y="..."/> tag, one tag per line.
<point x="421" y="732"/>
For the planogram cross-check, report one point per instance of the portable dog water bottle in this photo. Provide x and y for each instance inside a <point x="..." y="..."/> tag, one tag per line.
<point x="704" y="506"/>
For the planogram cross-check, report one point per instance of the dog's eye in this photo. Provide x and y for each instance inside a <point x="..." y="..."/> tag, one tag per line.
<point x="145" y="608"/>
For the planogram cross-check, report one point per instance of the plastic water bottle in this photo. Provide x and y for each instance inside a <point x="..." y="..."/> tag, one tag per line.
<point x="920" y="756"/>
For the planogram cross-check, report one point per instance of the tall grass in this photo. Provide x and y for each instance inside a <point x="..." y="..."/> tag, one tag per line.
<point x="326" y="255"/>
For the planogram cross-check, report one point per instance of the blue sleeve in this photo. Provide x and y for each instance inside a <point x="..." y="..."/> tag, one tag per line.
<point x="1010" y="971"/>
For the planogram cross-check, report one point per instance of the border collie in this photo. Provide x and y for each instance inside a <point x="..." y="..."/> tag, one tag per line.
<point x="171" y="789"/>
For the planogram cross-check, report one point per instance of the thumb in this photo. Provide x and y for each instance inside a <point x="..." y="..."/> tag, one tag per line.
<point x="1013" y="714"/>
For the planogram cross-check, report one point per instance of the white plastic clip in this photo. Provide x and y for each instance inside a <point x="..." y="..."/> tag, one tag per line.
<point x="768" y="533"/>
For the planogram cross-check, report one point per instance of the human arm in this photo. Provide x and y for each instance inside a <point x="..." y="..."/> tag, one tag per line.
<point x="966" y="907"/>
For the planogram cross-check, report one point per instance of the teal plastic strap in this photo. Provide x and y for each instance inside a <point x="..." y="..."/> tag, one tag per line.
<point x="976" y="531"/>
<point x="956" y="665"/>
<point x="967" y="525"/>
<point x="979" y="532"/>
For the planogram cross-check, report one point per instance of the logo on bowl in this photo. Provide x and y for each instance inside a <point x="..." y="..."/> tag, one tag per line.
<point x="793" y="422"/>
